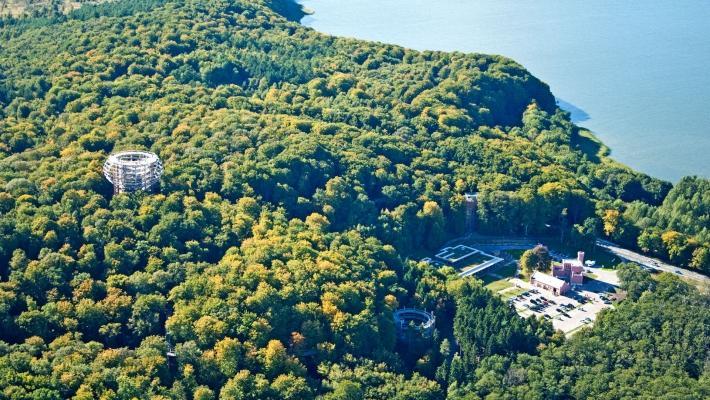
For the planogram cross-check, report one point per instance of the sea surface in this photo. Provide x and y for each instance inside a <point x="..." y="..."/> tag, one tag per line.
<point x="635" y="72"/>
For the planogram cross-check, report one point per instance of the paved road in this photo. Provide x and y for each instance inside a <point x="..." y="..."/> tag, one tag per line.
<point x="574" y="318"/>
<point x="502" y="243"/>
<point x="650" y="262"/>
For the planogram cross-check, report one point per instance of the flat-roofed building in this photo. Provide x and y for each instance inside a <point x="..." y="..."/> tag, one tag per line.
<point x="549" y="282"/>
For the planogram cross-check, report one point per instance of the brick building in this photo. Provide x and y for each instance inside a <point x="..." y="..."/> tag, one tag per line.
<point x="549" y="283"/>
<point x="570" y="270"/>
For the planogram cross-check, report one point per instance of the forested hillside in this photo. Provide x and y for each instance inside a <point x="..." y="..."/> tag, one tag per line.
<point x="677" y="230"/>
<point x="301" y="171"/>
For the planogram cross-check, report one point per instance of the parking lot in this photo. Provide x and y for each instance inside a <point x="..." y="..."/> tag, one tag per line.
<point x="571" y="311"/>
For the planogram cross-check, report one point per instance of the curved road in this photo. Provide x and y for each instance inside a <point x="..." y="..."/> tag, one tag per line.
<point x="650" y="262"/>
<point x="507" y="243"/>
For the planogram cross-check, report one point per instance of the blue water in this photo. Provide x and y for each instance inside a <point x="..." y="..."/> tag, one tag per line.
<point x="636" y="73"/>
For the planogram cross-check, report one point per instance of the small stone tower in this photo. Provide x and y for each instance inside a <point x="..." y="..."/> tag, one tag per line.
<point x="471" y="206"/>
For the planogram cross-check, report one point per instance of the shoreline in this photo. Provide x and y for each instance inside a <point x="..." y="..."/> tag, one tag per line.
<point x="623" y="137"/>
<point x="292" y="10"/>
<point x="586" y="140"/>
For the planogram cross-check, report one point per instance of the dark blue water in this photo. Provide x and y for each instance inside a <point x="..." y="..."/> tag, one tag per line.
<point x="637" y="73"/>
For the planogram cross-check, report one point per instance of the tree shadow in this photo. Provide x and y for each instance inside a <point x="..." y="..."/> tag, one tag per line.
<point x="597" y="286"/>
<point x="576" y="114"/>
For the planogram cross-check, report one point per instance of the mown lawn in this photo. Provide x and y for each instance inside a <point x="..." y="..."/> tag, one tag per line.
<point x="497" y="286"/>
<point x="516" y="254"/>
<point x="508" y="270"/>
<point x="514" y="292"/>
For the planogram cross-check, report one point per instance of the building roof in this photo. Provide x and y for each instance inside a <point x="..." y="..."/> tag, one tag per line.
<point x="572" y="261"/>
<point x="548" y="280"/>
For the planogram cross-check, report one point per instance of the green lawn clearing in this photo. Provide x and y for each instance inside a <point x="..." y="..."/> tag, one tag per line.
<point x="513" y="293"/>
<point x="508" y="270"/>
<point x="497" y="286"/>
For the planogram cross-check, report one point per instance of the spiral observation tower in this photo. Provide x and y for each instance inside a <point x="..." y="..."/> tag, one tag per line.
<point x="132" y="170"/>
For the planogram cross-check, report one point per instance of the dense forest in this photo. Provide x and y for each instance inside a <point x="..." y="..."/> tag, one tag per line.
<point x="302" y="171"/>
